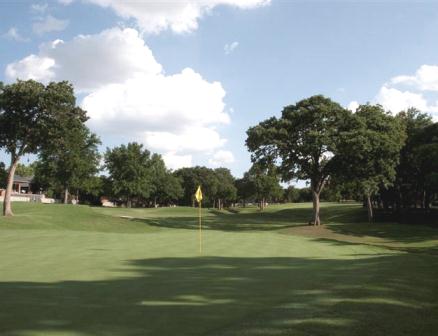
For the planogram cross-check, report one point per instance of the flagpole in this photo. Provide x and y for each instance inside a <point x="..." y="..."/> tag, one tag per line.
<point x="200" y="229"/>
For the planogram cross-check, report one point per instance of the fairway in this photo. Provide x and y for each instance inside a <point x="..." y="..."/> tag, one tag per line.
<point x="78" y="270"/>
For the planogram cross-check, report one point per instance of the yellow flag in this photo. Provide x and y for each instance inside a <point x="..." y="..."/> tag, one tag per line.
<point x="198" y="194"/>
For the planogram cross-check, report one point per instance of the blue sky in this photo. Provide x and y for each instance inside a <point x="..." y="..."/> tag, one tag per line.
<point x="246" y="58"/>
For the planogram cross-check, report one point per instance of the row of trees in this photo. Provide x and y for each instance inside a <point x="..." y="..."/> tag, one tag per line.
<point x="390" y="161"/>
<point x="370" y="153"/>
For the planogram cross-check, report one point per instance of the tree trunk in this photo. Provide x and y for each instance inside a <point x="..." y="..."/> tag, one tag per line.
<point x="7" y="209"/>
<point x="128" y="202"/>
<point x="66" y="195"/>
<point x="315" y="196"/>
<point x="370" y="208"/>
<point x="155" y="202"/>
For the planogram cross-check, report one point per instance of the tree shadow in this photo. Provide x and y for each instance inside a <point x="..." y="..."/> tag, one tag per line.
<point x="387" y="295"/>
<point x="256" y="221"/>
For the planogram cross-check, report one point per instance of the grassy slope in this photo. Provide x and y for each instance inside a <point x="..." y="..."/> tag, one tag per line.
<point x="67" y="270"/>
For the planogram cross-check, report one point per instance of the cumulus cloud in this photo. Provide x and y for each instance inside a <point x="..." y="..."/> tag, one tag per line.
<point x="49" y="24"/>
<point x="90" y="61"/>
<point x="127" y="93"/>
<point x="13" y="34"/>
<point x="175" y="161"/>
<point x="424" y="79"/>
<point x="406" y="91"/>
<point x="35" y="67"/>
<point x="353" y="106"/>
<point x="230" y="47"/>
<point x="153" y="16"/>
<point x="221" y="158"/>
<point x="396" y="100"/>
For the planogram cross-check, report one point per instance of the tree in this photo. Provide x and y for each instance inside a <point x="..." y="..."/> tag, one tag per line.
<point x="302" y="142"/>
<point x="191" y="178"/>
<point x="3" y="175"/>
<point x="226" y="191"/>
<point x="245" y="189"/>
<point x="129" y="168"/>
<point x="166" y="188"/>
<point x="72" y="163"/>
<point x="425" y="155"/>
<point x="266" y="184"/>
<point x="370" y="150"/>
<point x="31" y="117"/>
<point x="24" y="170"/>
<point x="291" y="194"/>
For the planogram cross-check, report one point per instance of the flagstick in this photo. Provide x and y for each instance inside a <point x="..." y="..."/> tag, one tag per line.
<point x="200" y="229"/>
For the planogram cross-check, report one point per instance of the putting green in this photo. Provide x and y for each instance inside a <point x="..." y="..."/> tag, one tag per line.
<point x="75" y="270"/>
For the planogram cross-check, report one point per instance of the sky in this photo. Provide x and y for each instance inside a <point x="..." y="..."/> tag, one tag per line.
<point x="188" y="78"/>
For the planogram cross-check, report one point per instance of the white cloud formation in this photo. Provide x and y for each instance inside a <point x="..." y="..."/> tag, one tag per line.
<point x="90" y="61"/>
<point x="127" y="93"/>
<point x="425" y="78"/>
<point x="175" y="161"/>
<point x="353" y="106"/>
<point x="230" y="47"/>
<point x="221" y="158"/>
<point x="396" y="100"/>
<point x="49" y="24"/>
<point x="39" y="8"/>
<point x="13" y="34"/>
<point x="418" y="90"/>
<point x="182" y="16"/>
<point x="35" y="67"/>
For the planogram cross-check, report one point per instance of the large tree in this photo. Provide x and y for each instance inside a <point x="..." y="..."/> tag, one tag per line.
<point x="266" y="183"/>
<point x="193" y="177"/>
<point x="129" y="169"/>
<point x="303" y="142"/>
<point x="31" y="117"/>
<point x="72" y="163"/>
<point x="370" y="150"/>
<point x="166" y="188"/>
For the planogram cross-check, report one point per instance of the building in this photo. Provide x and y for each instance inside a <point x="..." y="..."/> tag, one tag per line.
<point x="21" y="184"/>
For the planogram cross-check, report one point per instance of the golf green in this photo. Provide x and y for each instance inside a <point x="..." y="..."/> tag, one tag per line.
<point x="77" y="270"/>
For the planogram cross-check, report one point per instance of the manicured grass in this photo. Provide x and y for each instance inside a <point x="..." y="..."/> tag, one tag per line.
<point x="77" y="270"/>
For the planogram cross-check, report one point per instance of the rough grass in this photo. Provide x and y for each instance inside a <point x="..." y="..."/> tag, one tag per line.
<point x="76" y="270"/>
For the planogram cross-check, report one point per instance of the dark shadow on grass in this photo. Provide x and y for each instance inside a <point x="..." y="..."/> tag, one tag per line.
<point x="387" y="295"/>
<point x="257" y="221"/>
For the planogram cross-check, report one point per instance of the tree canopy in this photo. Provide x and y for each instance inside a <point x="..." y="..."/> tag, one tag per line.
<point x="33" y="116"/>
<point x="303" y="142"/>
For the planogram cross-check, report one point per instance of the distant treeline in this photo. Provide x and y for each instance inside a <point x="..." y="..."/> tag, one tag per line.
<point x="389" y="161"/>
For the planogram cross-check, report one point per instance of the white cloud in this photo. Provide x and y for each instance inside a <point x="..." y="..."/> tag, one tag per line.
<point x="396" y="100"/>
<point x="127" y="93"/>
<point x="353" y="106"/>
<point x="153" y="16"/>
<point x="221" y="158"/>
<point x="31" y="67"/>
<point x="91" y="61"/>
<point x="39" y="8"/>
<point x="13" y="34"/>
<point x="174" y="161"/>
<point x="229" y="48"/>
<point x="49" y="24"/>
<point x="425" y="78"/>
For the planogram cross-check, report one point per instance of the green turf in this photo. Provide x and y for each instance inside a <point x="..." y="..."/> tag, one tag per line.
<point x="76" y="270"/>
